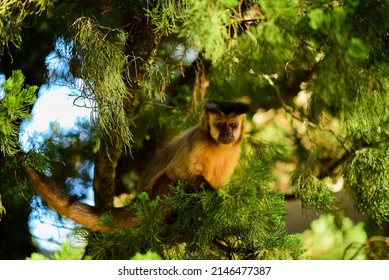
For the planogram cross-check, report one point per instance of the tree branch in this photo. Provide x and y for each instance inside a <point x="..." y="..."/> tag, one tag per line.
<point x="105" y="172"/>
<point x="69" y="207"/>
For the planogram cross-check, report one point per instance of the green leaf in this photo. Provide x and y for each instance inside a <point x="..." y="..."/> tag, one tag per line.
<point x="316" y="18"/>
<point x="148" y="256"/>
<point x="37" y="257"/>
<point x="357" y="49"/>
<point x="230" y="3"/>
<point x="327" y="240"/>
<point x="68" y="252"/>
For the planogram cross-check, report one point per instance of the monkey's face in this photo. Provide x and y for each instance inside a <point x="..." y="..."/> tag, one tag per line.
<point x="226" y="129"/>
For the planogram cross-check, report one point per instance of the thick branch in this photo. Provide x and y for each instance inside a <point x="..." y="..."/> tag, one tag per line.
<point x="105" y="172"/>
<point x="69" y="207"/>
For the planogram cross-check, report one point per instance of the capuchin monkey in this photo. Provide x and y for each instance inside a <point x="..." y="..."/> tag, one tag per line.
<point x="205" y="154"/>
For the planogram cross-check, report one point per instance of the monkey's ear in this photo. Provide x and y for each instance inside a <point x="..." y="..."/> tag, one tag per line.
<point x="226" y="108"/>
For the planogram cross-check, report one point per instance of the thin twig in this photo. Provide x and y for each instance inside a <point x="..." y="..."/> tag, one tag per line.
<point x="160" y="105"/>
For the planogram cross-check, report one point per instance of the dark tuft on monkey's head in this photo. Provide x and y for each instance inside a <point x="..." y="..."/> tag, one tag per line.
<point x="226" y="108"/>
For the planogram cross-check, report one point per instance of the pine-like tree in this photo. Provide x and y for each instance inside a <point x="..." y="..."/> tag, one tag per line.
<point x="314" y="72"/>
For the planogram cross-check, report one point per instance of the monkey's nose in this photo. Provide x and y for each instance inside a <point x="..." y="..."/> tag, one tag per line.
<point x="226" y="133"/>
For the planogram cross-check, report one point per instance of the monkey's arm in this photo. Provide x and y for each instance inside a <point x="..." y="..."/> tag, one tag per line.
<point x="169" y="166"/>
<point x="69" y="207"/>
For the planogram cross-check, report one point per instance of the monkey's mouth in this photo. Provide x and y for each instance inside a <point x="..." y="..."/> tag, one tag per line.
<point x="226" y="140"/>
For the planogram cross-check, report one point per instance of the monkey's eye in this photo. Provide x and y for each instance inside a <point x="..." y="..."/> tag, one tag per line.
<point x="233" y="125"/>
<point x="220" y="125"/>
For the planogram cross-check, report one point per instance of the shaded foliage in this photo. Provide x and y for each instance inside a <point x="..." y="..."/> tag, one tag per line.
<point x="244" y="220"/>
<point x="314" y="72"/>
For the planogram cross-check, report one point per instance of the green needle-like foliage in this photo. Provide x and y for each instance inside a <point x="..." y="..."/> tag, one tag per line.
<point x="15" y="106"/>
<point x="315" y="74"/>
<point x="244" y="220"/>
<point x="12" y="16"/>
<point x="103" y="68"/>
<point x="370" y="190"/>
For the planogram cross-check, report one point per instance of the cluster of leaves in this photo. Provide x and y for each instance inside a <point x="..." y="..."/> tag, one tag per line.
<point x="12" y="16"/>
<point x="267" y="32"/>
<point x="67" y="252"/>
<point x="102" y="69"/>
<point x="244" y="220"/>
<point x="370" y="190"/>
<point x="209" y="37"/>
<point x="167" y="15"/>
<point x="345" y="63"/>
<point x="15" y="106"/>
<point x="313" y="192"/>
<point x="330" y="241"/>
<point x="359" y="64"/>
<point x="219" y="19"/>
<point x="358" y="59"/>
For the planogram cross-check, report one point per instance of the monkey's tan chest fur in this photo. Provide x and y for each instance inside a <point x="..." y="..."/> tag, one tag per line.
<point x="215" y="164"/>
